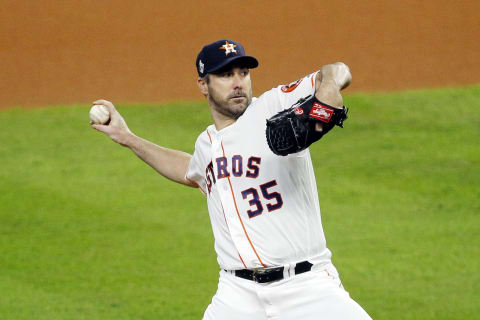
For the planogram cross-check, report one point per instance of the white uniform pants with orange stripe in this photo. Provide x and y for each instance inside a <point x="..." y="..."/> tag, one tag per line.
<point x="317" y="294"/>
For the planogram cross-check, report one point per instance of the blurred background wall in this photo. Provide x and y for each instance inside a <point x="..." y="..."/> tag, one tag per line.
<point x="64" y="52"/>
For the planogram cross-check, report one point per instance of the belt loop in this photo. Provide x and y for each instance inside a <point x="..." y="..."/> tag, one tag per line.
<point x="289" y="270"/>
<point x="286" y="271"/>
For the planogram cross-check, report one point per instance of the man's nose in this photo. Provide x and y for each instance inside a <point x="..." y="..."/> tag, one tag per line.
<point x="237" y="81"/>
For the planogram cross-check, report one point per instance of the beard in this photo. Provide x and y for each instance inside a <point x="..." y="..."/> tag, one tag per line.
<point x="233" y="106"/>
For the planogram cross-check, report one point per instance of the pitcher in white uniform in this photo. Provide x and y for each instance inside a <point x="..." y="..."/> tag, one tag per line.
<point x="264" y="208"/>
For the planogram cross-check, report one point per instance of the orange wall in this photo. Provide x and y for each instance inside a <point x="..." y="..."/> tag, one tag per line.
<point x="62" y="52"/>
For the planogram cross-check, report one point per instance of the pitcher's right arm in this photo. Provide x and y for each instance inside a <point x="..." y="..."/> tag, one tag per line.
<point x="172" y="164"/>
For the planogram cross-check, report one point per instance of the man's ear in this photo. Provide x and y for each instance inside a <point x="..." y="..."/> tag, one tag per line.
<point x="202" y="85"/>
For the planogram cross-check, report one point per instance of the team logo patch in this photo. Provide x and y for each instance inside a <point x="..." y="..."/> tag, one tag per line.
<point x="201" y="66"/>
<point x="229" y="48"/>
<point x="321" y="112"/>
<point x="291" y="86"/>
<point x="298" y="111"/>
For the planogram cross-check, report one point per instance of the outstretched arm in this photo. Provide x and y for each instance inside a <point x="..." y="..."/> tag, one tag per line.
<point x="172" y="164"/>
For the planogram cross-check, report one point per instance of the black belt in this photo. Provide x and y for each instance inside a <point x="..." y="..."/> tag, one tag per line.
<point x="271" y="274"/>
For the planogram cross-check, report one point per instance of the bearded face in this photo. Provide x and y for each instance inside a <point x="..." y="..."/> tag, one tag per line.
<point x="230" y="92"/>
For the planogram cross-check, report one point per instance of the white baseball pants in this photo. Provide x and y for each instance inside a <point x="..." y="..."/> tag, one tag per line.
<point x="317" y="294"/>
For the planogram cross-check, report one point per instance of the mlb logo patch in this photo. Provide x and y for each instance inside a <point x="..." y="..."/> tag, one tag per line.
<point x="291" y="86"/>
<point x="321" y="112"/>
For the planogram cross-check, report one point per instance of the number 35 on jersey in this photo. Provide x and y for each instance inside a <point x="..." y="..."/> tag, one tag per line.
<point x="259" y="197"/>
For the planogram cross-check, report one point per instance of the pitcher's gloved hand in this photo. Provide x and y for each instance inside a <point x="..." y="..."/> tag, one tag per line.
<point x="293" y="130"/>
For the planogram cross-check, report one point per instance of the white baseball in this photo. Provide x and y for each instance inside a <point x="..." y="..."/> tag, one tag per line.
<point x="99" y="114"/>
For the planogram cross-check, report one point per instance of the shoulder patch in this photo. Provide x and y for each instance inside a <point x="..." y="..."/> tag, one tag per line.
<point x="291" y="86"/>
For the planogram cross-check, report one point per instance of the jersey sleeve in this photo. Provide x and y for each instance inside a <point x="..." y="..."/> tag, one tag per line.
<point x="284" y="96"/>
<point x="196" y="171"/>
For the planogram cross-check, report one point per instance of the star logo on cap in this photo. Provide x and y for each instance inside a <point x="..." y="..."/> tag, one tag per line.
<point x="228" y="47"/>
<point x="201" y="66"/>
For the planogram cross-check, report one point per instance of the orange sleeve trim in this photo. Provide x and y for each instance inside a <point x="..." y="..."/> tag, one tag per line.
<point x="240" y="218"/>
<point x="195" y="183"/>
<point x="313" y="77"/>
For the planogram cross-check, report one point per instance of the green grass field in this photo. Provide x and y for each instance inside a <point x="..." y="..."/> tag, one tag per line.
<point x="88" y="231"/>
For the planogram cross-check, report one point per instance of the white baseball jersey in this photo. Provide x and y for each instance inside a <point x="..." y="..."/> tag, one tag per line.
<point x="264" y="208"/>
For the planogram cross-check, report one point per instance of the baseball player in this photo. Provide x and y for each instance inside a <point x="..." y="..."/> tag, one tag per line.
<point x="254" y="167"/>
